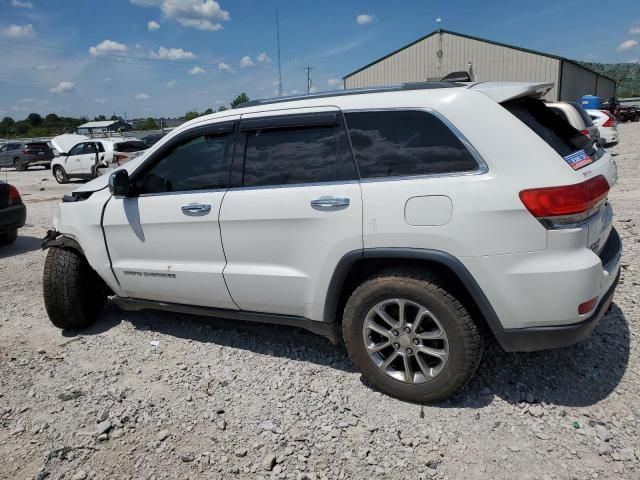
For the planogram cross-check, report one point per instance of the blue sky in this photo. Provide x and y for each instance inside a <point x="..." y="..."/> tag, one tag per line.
<point x="86" y="57"/>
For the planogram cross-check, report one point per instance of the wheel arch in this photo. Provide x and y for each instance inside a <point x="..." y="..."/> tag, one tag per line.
<point x="55" y="239"/>
<point x="357" y="265"/>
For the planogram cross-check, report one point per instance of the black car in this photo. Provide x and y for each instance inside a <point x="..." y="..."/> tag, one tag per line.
<point x="23" y="155"/>
<point x="13" y="213"/>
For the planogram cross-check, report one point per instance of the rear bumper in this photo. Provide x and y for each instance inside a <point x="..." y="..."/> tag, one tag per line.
<point x="12" y="217"/>
<point x="543" y="338"/>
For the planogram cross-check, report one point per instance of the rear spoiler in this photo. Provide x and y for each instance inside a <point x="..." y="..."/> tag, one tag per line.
<point x="504" y="91"/>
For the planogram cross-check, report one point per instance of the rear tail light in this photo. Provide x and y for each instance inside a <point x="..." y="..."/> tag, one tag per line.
<point x="611" y="120"/>
<point x="587" y="306"/>
<point x="585" y="132"/>
<point x="14" y="195"/>
<point x="119" y="158"/>
<point x="572" y="202"/>
<point x="24" y="151"/>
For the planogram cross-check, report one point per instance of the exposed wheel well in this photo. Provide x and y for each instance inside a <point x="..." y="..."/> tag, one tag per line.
<point x="363" y="268"/>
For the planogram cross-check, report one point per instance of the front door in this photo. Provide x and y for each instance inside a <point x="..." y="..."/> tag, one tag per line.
<point x="76" y="159"/>
<point x="165" y="242"/>
<point x="295" y="212"/>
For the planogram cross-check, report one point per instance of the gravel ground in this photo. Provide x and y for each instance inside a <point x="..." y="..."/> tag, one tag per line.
<point x="218" y="399"/>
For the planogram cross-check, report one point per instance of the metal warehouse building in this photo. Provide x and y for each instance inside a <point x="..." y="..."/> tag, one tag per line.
<point x="442" y="52"/>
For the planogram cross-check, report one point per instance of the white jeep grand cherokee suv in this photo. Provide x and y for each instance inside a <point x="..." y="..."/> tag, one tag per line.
<point x="398" y="220"/>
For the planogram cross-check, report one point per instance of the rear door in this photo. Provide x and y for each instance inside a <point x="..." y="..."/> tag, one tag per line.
<point x="293" y="211"/>
<point x="165" y="242"/>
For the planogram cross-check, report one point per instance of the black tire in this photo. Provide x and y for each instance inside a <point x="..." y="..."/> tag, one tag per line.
<point x="74" y="294"/>
<point x="60" y="175"/>
<point x="47" y="166"/>
<point x="465" y="343"/>
<point x="7" y="238"/>
<point x="20" y="165"/>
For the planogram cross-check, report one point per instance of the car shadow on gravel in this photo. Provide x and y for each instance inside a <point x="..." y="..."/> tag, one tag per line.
<point x="577" y="376"/>
<point x="23" y="244"/>
<point x="266" y="339"/>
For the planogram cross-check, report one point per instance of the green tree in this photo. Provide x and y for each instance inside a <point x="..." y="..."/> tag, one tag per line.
<point x="191" y="115"/>
<point x="34" y="119"/>
<point x="243" y="97"/>
<point x="208" y="111"/>
<point x="222" y="108"/>
<point x="149" y="124"/>
<point x="100" y="118"/>
<point x="52" y="118"/>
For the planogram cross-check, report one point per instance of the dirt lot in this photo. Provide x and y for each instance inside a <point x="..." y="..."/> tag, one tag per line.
<point x="217" y="399"/>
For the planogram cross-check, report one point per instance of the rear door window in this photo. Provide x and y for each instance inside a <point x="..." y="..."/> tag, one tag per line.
<point x="288" y="156"/>
<point x="555" y="131"/>
<point x="406" y="143"/>
<point x="130" y="146"/>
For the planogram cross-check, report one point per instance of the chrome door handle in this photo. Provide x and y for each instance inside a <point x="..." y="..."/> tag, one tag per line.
<point x="196" y="209"/>
<point x="330" y="202"/>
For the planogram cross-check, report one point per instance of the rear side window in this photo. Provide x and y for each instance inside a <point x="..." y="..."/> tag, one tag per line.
<point x="583" y="113"/>
<point x="549" y="126"/>
<point x="290" y="156"/>
<point x="405" y="143"/>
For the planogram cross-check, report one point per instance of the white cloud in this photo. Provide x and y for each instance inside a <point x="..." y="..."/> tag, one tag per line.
<point x="108" y="47"/>
<point x="335" y="82"/>
<point x="627" y="44"/>
<point x="197" y="71"/>
<point x="172" y="54"/>
<point x="263" y="58"/>
<point x="313" y="90"/>
<point x="44" y="66"/>
<point x="223" y="67"/>
<point x="635" y="29"/>
<point x="246" y="62"/>
<point x="19" y="4"/>
<point x="199" y="14"/>
<point x="142" y="96"/>
<point x="17" y="31"/>
<point x="63" y="87"/>
<point x="152" y="26"/>
<point x="171" y="84"/>
<point x="107" y="79"/>
<point x="101" y="101"/>
<point x="364" y="19"/>
<point x="26" y="100"/>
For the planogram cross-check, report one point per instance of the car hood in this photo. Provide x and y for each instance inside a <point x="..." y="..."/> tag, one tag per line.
<point x="103" y="180"/>
<point x="64" y="143"/>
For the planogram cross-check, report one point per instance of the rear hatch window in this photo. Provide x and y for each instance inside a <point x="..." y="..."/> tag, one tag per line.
<point x="559" y="135"/>
<point x="128" y="147"/>
<point x="37" y="146"/>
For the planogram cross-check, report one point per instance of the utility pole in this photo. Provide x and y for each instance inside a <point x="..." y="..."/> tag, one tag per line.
<point x="279" y="63"/>
<point x="308" y="69"/>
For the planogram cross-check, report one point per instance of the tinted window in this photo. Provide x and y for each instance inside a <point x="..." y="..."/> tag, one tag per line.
<point x="37" y="145"/>
<point x="405" y="143"/>
<point x="130" y="146"/>
<point x="297" y="155"/>
<point x="198" y="163"/>
<point x="549" y="126"/>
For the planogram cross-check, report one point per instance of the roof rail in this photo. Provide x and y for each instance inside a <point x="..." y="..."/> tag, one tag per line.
<point x="352" y="91"/>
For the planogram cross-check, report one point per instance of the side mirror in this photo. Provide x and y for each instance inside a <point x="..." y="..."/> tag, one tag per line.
<point x="119" y="185"/>
<point x="63" y="154"/>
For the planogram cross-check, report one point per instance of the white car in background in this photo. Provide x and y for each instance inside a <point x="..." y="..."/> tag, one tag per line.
<point x="577" y="117"/>
<point x="87" y="158"/>
<point x="607" y="125"/>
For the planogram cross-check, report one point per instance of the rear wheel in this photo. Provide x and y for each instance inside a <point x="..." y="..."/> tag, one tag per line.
<point x="74" y="294"/>
<point x="21" y="165"/>
<point x="60" y="175"/>
<point x="8" y="238"/>
<point x="410" y="336"/>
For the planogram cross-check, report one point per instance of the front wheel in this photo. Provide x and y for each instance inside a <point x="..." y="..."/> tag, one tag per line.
<point x="74" y="294"/>
<point x="60" y="175"/>
<point x="410" y="336"/>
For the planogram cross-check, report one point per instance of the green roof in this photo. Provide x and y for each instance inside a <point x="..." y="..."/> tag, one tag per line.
<point x="470" y="37"/>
